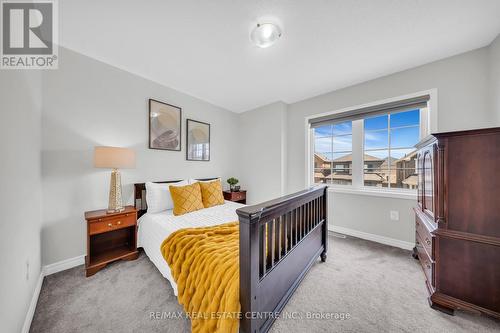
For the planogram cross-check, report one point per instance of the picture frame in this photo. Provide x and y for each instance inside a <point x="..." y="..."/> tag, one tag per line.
<point x="165" y="126"/>
<point x="197" y="140"/>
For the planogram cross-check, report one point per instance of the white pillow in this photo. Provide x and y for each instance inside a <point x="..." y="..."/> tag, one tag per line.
<point x="158" y="196"/>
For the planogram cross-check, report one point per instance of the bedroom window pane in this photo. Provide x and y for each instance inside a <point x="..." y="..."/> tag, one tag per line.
<point x="323" y="145"/>
<point x="341" y="172"/>
<point x="406" y="179"/>
<point x="408" y="118"/>
<point x="399" y="136"/>
<point x="376" y="157"/>
<point x="376" y="168"/>
<point x="376" y="123"/>
<point x="407" y="153"/>
<point x="323" y="131"/>
<point x="378" y="139"/>
<point x="343" y="177"/>
<point x="333" y="153"/>
<point x="405" y="165"/>
<point x="320" y="174"/>
<point x="342" y="128"/>
<point x="344" y="157"/>
<point x="404" y="137"/>
<point x="342" y="143"/>
<point x="377" y="177"/>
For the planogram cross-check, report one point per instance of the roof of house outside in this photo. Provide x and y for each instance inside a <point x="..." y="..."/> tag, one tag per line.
<point x="321" y="157"/>
<point x="348" y="158"/>
<point x="368" y="176"/>
<point x="411" y="180"/>
<point x="388" y="160"/>
<point x="339" y="176"/>
<point x="407" y="157"/>
<point x="367" y="158"/>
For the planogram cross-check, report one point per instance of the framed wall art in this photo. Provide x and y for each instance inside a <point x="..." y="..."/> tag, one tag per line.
<point x="197" y="140"/>
<point x="164" y="126"/>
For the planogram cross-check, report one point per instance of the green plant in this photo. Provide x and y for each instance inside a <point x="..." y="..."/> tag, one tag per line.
<point x="232" y="181"/>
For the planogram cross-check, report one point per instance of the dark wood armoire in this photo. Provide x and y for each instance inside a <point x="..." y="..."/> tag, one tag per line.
<point x="458" y="220"/>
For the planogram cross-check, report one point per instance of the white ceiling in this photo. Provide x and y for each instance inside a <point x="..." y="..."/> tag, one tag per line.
<point x="202" y="47"/>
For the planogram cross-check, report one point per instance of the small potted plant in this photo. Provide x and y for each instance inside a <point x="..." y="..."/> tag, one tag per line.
<point x="232" y="182"/>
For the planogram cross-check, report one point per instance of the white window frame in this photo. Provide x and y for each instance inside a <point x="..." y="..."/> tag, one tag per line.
<point x="428" y="125"/>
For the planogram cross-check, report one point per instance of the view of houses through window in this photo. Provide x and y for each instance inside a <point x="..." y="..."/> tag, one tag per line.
<point x="333" y="153"/>
<point x="389" y="155"/>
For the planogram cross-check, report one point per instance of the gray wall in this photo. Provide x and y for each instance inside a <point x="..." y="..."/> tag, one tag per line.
<point x="371" y="215"/>
<point x="263" y="152"/>
<point x="462" y="84"/>
<point x="20" y="194"/>
<point x="89" y="103"/>
<point x="495" y="77"/>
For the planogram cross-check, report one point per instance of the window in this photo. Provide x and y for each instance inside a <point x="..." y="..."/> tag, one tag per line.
<point x="333" y="153"/>
<point x="372" y="147"/>
<point x="389" y="152"/>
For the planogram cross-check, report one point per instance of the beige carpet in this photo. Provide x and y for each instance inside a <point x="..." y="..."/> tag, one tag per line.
<point x="363" y="287"/>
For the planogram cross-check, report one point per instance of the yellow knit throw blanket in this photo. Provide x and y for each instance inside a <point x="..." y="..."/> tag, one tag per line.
<point x="205" y="265"/>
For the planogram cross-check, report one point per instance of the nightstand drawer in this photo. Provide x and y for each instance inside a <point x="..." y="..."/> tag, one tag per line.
<point x="238" y="196"/>
<point x="113" y="223"/>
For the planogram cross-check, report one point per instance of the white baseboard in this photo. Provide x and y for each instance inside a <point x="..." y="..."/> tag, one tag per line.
<point x="32" y="307"/>
<point x="63" y="265"/>
<point x="48" y="270"/>
<point x="372" y="237"/>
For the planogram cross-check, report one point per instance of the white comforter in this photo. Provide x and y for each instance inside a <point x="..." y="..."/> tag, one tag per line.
<point x="155" y="228"/>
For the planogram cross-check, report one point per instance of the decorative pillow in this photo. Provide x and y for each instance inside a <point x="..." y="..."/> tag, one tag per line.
<point x="211" y="193"/>
<point x="158" y="196"/>
<point x="186" y="198"/>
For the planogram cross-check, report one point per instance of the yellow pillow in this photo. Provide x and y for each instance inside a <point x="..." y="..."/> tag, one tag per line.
<point x="186" y="198"/>
<point x="211" y="193"/>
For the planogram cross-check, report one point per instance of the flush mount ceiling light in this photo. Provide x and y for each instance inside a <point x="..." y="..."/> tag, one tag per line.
<point x="265" y="34"/>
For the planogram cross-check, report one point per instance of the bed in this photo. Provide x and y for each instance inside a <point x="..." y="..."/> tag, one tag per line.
<point x="271" y="268"/>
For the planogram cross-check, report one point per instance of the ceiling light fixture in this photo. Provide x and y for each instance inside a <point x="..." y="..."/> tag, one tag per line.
<point x="265" y="34"/>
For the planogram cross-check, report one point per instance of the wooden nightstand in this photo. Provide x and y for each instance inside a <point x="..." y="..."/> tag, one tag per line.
<point x="110" y="237"/>
<point x="240" y="196"/>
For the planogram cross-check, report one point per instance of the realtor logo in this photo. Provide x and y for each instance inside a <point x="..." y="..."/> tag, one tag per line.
<point x="29" y="34"/>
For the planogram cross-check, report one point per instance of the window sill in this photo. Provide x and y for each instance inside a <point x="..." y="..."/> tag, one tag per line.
<point x="408" y="195"/>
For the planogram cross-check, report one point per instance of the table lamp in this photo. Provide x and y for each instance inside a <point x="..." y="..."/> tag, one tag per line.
<point x="114" y="158"/>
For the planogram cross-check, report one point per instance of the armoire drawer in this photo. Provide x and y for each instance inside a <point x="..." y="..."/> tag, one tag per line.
<point x="426" y="262"/>
<point x="427" y="240"/>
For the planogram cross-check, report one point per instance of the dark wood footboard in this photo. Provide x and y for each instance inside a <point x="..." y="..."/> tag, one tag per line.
<point x="279" y="242"/>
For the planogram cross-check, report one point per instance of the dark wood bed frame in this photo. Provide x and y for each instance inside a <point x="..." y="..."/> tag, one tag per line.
<point x="271" y="268"/>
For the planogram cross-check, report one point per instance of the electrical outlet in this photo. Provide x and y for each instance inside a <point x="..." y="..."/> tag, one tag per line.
<point x="27" y="269"/>
<point x="394" y="215"/>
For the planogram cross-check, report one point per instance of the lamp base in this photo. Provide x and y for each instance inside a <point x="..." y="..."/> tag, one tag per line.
<point x="113" y="211"/>
<point x="115" y="193"/>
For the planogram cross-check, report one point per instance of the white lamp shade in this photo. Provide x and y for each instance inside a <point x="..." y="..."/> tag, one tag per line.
<point x="114" y="158"/>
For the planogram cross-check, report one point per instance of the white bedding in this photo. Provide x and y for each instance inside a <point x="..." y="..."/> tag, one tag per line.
<point x="155" y="228"/>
